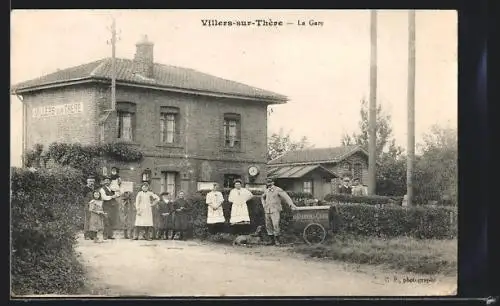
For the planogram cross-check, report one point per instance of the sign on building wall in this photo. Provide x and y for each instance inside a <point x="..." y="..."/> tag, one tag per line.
<point x="205" y="185"/>
<point x="57" y="110"/>
<point x="126" y="186"/>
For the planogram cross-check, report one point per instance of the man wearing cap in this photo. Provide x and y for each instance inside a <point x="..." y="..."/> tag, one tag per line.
<point x="271" y="201"/>
<point x="110" y="206"/>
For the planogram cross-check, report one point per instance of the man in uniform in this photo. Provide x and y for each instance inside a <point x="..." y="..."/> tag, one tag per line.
<point x="271" y="201"/>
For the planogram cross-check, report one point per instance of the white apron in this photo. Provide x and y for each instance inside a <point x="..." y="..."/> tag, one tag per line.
<point x="239" y="210"/>
<point x="144" y="216"/>
<point x="215" y="199"/>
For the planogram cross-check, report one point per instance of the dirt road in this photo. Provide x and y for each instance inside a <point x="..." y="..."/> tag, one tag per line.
<point x="179" y="268"/>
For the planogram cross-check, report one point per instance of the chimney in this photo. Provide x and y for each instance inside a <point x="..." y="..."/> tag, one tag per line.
<point x="143" y="59"/>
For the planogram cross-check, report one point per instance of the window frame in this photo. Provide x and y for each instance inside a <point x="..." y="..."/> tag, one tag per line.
<point x="164" y="182"/>
<point x="354" y="170"/>
<point x="311" y="186"/>
<point x="227" y="137"/>
<point x="123" y="110"/>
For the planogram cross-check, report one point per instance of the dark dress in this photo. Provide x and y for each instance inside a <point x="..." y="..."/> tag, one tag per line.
<point x="182" y="218"/>
<point x="128" y="212"/>
<point x="111" y="208"/>
<point x="166" y="222"/>
<point x="157" y="217"/>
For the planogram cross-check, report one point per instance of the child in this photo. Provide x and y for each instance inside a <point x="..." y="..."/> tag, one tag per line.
<point x="165" y="209"/>
<point x="144" y="201"/>
<point x="116" y="181"/>
<point x="97" y="214"/>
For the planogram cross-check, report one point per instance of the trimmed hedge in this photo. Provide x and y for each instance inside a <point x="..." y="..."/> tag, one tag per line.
<point x="46" y="206"/>
<point x="424" y="222"/>
<point x="393" y="221"/>
<point x="371" y="200"/>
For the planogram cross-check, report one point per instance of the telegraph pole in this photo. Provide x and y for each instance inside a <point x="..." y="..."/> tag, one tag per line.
<point x="372" y="141"/>
<point x="113" y="64"/>
<point x="411" y="107"/>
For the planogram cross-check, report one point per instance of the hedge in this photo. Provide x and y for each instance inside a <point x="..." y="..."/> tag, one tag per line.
<point x="393" y="221"/>
<point x="357" y="219"/>
<point x="372" y="200"/>
<point x="45" y="210"/>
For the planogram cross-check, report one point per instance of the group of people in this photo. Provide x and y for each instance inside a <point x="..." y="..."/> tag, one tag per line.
<point x="161" y="217"/>
<point x="271" y="202"/>
<point x="355" y="188"/>
<point x="153" y="216"/>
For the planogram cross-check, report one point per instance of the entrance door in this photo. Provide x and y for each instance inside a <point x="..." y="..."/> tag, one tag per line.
<point x="168" y="182"/>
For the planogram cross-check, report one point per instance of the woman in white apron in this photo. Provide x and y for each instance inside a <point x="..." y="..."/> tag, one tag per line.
<point x="239" y="209"/>
<point x="144" y="201"/>
<point x="215" y="213"/>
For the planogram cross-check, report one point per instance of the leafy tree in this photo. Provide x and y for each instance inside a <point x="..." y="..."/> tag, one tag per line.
<point x="391" y="172"/>
<point x="383" y="131"/>
<point x="436" y="175"/>
<point x="279" y="143"/>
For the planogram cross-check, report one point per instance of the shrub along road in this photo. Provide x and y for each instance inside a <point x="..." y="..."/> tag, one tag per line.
<point x="193" y="268"/>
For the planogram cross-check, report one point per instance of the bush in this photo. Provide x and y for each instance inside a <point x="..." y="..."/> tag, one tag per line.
<point x="393" y="221"/>
<point x="371" y="200"/>
<point x="46" y="207"/>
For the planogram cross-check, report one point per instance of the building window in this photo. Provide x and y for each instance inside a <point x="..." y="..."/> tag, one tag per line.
<point x="229" y="180"/>
<point x="168" y="182"/>
<point x="168" y="124"/>
<point x="232" y="130"/>
<point x="167" y="128"/>
<point x="357" y="172"/>
<point x="125" y="120"/>
<point x="308" y="187"/>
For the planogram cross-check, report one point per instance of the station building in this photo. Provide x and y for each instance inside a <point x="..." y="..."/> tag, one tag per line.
<point x="193" y="128"/>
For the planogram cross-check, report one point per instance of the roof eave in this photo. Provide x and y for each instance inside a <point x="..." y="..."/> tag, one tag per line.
<point x="16" y="90"/>
<point x="268" y="100"/>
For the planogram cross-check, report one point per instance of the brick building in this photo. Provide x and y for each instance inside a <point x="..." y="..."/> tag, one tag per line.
<point x="193" y="128"/>
<point x="319" y="170"/>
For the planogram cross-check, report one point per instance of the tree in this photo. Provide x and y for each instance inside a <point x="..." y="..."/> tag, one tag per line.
<point x="391" y="169"/>
<point x="383" y="131"/>
<point x="436" y="176"/>
<point x="279" y="143"/>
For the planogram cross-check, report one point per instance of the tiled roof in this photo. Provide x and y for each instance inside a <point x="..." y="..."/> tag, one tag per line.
<point x="296" y="171"/>
<point x="334" y="154"/>
<point x="165" y="76"/>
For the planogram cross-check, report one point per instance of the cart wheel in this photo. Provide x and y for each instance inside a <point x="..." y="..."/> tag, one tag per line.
<point x="314" y="233"/>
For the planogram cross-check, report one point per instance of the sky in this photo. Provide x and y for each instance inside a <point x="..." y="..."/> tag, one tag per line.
<point x="324" y="70"/>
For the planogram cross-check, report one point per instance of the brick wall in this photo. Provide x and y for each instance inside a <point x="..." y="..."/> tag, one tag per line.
<point x="81" y="127"/>
<point x="200" y="117"/>
<point x="200" y="124"/>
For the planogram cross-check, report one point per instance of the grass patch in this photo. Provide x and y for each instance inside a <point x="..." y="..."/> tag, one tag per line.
<point x="429" y="256"/>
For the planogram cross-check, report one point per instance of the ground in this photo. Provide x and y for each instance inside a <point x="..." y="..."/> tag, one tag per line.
<point x="194" y="268"/>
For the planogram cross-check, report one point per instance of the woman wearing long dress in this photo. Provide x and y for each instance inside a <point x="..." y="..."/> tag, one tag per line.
<point x="144" y="201"/>
<point x="182" y="216"/>
<point x="239" y="196"/>
<point x="128" y="215"/>
<point x="215" y="213"/>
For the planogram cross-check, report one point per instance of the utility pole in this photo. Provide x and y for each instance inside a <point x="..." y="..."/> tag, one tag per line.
<point x="411" y="107"/>
<point x="107" y="112"/>
<point x="113" y="64"/>
<point x="372" y="141"/>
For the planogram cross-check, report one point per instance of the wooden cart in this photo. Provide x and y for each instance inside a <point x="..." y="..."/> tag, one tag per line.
<point x="313" y="221"/>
